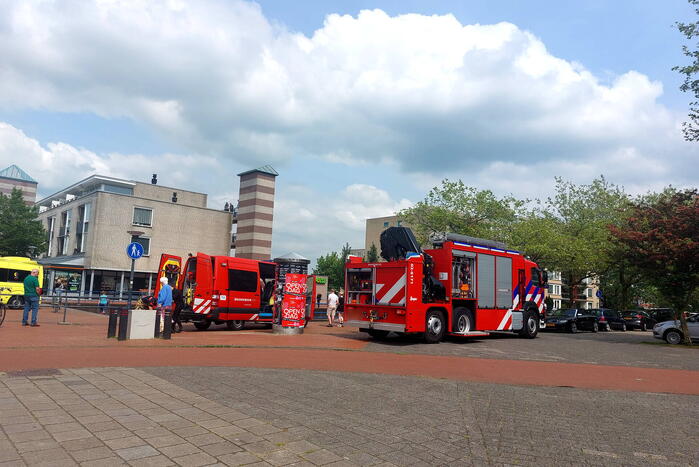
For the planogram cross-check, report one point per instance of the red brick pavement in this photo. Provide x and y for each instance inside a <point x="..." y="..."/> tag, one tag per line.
<point x="83" y="344"/>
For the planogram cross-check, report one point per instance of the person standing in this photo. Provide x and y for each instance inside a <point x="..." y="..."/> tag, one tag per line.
<point x="103" y="302"/>
<point x="164" y="300"/>
<point x="341" y="309"/>
<point x="333" y="300"/>
<point x="178" y="304"/>
<point x="31" y="298"/>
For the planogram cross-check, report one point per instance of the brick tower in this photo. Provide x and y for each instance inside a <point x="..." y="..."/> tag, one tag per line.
<point x="255" y="213"/>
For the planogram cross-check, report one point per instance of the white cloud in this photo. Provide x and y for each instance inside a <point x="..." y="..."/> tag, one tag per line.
<point x="426" y="92"/>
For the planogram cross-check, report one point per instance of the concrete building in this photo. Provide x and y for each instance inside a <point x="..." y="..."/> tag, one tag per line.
<point x="14" y="177"/>
<point x="90" y="223"/>
<point x="255" y="213"/>
<point x="372" y="233"/>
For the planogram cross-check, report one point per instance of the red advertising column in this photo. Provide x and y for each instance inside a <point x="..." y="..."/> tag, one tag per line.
<point x="293" y="313"/>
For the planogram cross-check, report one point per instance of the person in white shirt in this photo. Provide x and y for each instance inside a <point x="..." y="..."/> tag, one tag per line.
<point x="333" y="300"/>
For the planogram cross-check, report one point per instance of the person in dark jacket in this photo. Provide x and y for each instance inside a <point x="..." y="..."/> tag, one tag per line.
<point x="177" y="305"/>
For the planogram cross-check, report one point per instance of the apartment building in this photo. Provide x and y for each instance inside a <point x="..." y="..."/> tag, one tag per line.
<point x="91" y="222"/>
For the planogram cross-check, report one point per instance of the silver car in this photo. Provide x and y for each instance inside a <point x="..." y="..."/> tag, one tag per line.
<point x="671" y="331"/>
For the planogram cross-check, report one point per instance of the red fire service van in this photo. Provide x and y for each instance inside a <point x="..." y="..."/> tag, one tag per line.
<point x="465" y="286"/>
<point x="221" y="289"/>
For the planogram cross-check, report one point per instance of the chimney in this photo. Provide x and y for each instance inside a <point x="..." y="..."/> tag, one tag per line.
<point x="154" y="180"/>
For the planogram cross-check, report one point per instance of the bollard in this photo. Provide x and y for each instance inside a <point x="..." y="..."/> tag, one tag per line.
<point x="123" y="323"/>
<point x="167" y="329"/>
<point x="157" y="323"/>
<point x="111" y="328"/>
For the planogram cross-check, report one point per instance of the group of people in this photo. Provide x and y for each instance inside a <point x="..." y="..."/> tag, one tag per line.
<point x="336" y="309"/>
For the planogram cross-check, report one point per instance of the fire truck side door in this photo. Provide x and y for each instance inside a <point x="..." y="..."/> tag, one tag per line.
<point x="204" y="280"/>
<point x="170" y="267"/>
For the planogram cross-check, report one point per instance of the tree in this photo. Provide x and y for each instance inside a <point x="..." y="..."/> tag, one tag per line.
<point x="455" y="207"/>
<point x="373" y="254"/>
<point x="333" y="266"/>
<point x="690" y="129"/>
<point x="20" y="230"/>
<point x="569" y="232"/>
<point x="661" y="236"/>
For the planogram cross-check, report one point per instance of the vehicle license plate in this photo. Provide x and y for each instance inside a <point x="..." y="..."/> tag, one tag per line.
<point x="550" y="325"/>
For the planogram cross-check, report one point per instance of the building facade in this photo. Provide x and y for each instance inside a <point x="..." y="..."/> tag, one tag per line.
<point x="13" y="177"/>
<point x="90" y="223"/>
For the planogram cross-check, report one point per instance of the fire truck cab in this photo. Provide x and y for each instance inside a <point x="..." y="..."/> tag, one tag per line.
<point x="221" y="289"/>
<point x="465" y="286"/>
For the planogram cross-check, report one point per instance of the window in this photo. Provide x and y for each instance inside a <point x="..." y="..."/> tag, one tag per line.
<point x="554" y="275"/>
<point x="64" y="233"/>
<point x="385" y="224"/>
<point x="13" y="275"/>
<point x="554" y="289"/>
<point x="588" y="292"/>
<point x="242" y="281"/>
<point x="82" y="227"/>
<point x="50" y="224"/>
<point x="556" y="304"/>
<point x="535" y="278"/>
<point x="143" y="216"/>
<point x="144" y="242"/>
<point x="399" y="223"/>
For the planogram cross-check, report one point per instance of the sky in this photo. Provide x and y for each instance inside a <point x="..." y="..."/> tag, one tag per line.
<point x="361" y="106"/>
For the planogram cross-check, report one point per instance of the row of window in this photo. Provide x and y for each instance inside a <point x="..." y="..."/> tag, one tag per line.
<point x="142" y="217"/>
<point x="557" y="304"/>
<point x="555" y="289"/>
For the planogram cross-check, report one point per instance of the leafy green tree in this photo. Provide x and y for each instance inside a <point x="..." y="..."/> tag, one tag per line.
<point x="19" y="227"/>
<point x="661" y="236"/>
<point x="455" y="207"/>
<point x="569" y="231"/>
<point x="690" y="129"/>
<point x="373" y="254"/>
<point x="333" y="266"/>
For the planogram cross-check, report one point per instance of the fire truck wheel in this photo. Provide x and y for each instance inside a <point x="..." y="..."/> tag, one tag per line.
<point x="378" y="333"/>
<point x="531" y="324"/>
<point x="236" y="325"/>
<point x="465" y="322"/>
<point x="202" y="325"/>
<point x="434" y="327"/>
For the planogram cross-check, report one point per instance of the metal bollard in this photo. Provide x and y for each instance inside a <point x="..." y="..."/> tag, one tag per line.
<point x="157" y="324"/>
<point x="167" y="329"/>
<point x="111" y="328"/>
<point x="123" y="323"/>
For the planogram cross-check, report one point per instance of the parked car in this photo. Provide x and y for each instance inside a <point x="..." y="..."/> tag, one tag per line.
<point x="671" y="332"/>
<point x="571" y="320"/>
<point x="638" y="319"/>
<point x="609" y="319"/>
<point x="658" y="315"/>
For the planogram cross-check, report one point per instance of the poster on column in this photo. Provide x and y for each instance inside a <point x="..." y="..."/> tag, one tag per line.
<point x="294" y="301"/>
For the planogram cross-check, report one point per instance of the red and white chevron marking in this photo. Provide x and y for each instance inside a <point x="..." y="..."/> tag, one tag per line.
<point x="392" y="292"/>
<point x="202" y="306"/>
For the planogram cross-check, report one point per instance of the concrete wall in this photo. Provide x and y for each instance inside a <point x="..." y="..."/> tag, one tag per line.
<point x="164" y="193"/>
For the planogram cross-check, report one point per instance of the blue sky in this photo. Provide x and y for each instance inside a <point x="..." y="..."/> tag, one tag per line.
<point x="361" y="114"/>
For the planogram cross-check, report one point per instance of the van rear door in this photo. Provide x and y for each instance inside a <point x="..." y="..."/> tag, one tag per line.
<point x="203" y="287"/>
<point x="170" y="267"/>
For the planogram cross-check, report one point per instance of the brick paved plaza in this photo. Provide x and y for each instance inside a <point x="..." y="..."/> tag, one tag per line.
<point x="178" y="412"/>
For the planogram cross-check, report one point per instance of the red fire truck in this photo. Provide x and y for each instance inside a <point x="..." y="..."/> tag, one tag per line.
<point x="221" y="289"/>
<point x="465" y="286"/>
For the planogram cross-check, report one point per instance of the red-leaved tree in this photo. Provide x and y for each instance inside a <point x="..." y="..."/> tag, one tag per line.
<point x="661" y="236"/>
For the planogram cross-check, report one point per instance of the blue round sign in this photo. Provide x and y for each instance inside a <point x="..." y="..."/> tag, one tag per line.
<point x="134" y="250"/>
<point x="599" y="294"/>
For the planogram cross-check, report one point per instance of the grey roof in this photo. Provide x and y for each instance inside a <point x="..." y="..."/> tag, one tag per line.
<point x="294" y="257"/>
<point x="16" y="173"/>
<point x="265" y="169"/>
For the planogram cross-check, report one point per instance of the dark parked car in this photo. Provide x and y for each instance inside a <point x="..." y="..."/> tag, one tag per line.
<point x="609" y="319"/>
<point x="571" y="320"/>
<point x="658" y="315"/>
<point x="638" y="319"/>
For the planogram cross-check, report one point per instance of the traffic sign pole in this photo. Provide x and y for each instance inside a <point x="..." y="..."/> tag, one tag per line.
<point x="135" y="251"/>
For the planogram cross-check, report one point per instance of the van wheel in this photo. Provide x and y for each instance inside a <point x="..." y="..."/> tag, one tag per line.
<point x="202" y="325"/>
<point x="15" y="302"/>
<point x="236" y="325"/>
<point x="378" y="333"/>
<point x="464" y="323"/>
<point x="531" y="325"/>
<point x="434" y="327"/>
